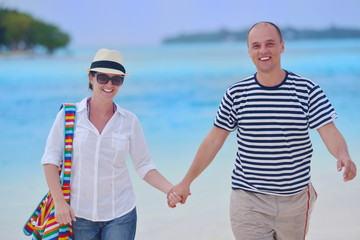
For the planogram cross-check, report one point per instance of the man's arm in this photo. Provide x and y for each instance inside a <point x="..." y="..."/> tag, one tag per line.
<point x="204" y="156"/>
<point x="337" y="146"/>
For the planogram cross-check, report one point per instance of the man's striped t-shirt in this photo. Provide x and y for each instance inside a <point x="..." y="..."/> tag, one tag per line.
<point x="274" y="148"/>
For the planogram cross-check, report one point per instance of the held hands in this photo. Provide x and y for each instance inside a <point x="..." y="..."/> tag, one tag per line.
<point x="172" y="199"/>
<point x="349" y="168"/>
<point x="178" y="194"/>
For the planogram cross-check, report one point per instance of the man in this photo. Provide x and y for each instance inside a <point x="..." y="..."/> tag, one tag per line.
<point x="272" y="112"/>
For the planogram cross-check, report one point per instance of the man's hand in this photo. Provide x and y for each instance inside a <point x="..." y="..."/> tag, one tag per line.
<point x="349" y="168"/>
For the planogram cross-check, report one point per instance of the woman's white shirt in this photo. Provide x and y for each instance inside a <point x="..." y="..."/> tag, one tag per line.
<point x="101" y="188"/>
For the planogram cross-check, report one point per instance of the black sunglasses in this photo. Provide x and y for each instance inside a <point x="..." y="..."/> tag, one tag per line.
<point x="104" y="79"/>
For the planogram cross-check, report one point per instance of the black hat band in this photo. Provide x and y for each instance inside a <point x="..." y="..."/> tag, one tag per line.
<point x="108" y="64"/>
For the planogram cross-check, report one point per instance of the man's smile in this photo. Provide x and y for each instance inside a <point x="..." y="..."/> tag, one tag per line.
<point x="264" y="58"/>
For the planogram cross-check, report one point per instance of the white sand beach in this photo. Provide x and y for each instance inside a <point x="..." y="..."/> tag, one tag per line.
<point x="205" y="215"/>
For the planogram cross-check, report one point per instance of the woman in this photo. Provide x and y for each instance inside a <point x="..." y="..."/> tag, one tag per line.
<point x="102" y="197"/>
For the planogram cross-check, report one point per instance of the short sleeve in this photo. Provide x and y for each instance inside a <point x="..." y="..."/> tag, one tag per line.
<point x="226" y="115"/>
<point x="321" y="111"/>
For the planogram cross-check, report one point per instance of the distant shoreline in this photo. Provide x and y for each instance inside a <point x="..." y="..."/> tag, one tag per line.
<point x="31" y="53"/>
<point x="16" y="54"/>
<point x="289" y="33"/>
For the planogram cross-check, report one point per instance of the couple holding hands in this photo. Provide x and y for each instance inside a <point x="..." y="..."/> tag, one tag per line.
<point x="271" y="111"/>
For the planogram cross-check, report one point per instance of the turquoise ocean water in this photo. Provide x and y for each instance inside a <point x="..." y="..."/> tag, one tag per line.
<point x="175" y="91"/>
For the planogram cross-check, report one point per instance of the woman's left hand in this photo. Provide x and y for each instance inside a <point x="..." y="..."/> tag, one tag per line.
<point x="173" y="198"/>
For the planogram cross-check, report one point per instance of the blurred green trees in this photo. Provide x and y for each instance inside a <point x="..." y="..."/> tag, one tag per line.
<point x="20" y="31"/>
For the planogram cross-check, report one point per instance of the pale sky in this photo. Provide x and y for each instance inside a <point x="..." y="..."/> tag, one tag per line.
<point x="143" y="22"/>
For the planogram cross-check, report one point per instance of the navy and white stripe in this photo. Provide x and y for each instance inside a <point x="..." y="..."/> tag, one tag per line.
<point x="274" y="147"/>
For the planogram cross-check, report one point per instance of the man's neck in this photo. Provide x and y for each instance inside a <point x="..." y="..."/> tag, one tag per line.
<point x="271" y="79"/>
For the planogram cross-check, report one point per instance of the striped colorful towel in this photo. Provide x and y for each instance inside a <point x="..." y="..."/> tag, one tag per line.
<point x="42" y="223"/>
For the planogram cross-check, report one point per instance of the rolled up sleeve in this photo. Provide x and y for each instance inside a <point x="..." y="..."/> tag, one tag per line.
<point x="54" y="148"/>
<point x="139" y="151"/>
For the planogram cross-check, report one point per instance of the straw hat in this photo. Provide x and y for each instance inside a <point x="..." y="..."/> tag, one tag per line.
<point x="108" y="61"/>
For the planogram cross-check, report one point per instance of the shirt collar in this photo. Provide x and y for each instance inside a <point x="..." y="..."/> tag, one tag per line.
<point x="119" y="110"/>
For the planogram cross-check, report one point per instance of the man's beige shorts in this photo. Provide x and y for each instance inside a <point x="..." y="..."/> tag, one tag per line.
<point x="267" y="217"/>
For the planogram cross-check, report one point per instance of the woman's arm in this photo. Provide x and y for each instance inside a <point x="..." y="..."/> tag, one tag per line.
<point x="63" y="212"/>
<point x="158" y="181"/>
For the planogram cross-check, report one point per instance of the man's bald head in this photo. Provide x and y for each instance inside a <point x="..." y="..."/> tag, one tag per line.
<point x="263" y="24"/>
